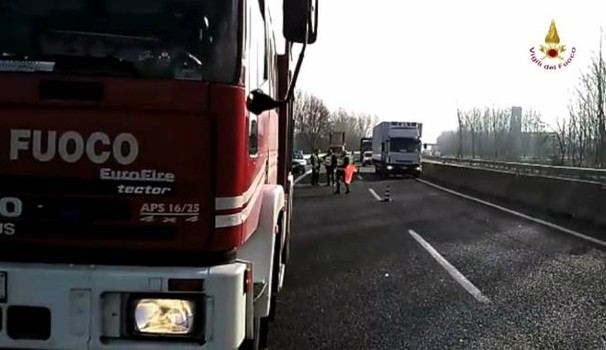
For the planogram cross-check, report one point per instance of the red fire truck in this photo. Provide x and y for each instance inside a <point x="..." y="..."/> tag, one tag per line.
<point x="145" y="193"/>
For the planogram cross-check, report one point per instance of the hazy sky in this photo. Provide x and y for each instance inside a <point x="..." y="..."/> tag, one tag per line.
<point x="417" y="60"/>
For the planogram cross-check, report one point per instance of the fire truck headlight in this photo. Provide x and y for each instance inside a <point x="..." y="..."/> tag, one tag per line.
<point x="164" y="316"/>
<point x="389" y="167"/>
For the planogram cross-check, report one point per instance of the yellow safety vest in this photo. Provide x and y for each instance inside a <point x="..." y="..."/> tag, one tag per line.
<point x="328" y="160"/>
<point x="340" y="161"/>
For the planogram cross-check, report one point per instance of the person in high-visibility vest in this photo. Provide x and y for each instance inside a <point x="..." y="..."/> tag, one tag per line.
<point x="315" y="168"/>
<point x="329" y="164"/>
<point x="342" y="163"/>
<point x="350" y="170"/>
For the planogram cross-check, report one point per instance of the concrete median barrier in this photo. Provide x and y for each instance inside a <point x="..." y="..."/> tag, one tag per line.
<point x="581" y="200"/>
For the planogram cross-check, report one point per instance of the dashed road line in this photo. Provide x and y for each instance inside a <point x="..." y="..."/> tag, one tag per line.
<point x="454" y="273"/>
<point x="513" y="212"/>
<point x="302" y="176"/>
<point x="374" y="194"/>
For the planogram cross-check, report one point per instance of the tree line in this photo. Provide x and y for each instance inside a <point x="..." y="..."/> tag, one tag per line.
<point x="313" y="122"/>
<point x="498" y="134"/>
<point x="577" y="139"/>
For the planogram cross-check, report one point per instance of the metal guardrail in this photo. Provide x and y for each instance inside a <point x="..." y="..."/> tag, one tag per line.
<point x="573" y="173"/>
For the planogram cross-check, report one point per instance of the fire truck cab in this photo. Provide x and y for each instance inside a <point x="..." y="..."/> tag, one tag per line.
<point x="145" y="151"/>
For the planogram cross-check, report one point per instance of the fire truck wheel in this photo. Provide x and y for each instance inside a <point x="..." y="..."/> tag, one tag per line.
<point x="264" y="333"/>
<point x="286" y="249"/>
<point x="277" y="261"/>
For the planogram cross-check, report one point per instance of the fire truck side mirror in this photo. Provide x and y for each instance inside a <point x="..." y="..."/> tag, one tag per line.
<point x="424" y="146"/>
<point x="300" y="21"/>
<point x="258" y="102"/>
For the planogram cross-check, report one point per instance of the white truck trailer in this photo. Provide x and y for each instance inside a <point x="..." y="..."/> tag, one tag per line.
<point x="396" y="148"/>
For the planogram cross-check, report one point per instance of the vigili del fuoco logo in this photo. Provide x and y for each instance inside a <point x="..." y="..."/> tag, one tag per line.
<point x="552" y="55"/>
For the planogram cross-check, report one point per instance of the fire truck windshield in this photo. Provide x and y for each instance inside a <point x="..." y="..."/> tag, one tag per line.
<point x="176" y="39"/>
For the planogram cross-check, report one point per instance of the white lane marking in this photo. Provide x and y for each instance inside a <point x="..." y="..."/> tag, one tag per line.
<point x="302" y="176"/>
<point x="374" y="194"/>
<point x="524" y="216"/>
<point x="458" y="276"/>
<point x="359" y="177"/>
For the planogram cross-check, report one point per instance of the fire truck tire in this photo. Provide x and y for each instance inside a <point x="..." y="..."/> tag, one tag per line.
<point x="274" y="285"/>
<point x="286" y="249"/>
<point x="264" y="333"/>
<point x="277" y="262"/>
<point x="284" y="230"/>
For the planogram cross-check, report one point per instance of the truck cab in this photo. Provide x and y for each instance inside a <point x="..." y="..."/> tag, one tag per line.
<point x="397" y="148"/>
<point x="365" y="146"/>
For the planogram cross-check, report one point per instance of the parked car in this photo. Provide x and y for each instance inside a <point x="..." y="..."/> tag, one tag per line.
<point x="297" y="168"/>
<point x="299" y="158"/>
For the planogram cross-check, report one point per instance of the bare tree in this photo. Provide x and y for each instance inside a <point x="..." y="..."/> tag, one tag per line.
<point x="364" y="124"/>
<point x="314" y="121"/>
<point x="562" y="140"/>
<point x="461" y="123"/>
<point x="534" y="137"/>
<point x="473" y="121"/>
<point x="578" y="139"/>
<point x="487" y="133"/>
<point x="354" y="125"/>
<point x="586" y="125"/>
<point x="501" y="118"/>
<point x="312" y="118"/>
<point x="598" y="72"/>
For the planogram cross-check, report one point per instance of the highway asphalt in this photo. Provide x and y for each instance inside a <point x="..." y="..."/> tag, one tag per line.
<point x="431" y="270"/>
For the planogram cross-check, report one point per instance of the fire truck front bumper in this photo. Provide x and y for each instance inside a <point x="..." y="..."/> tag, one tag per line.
<point x="122" y="307"/>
